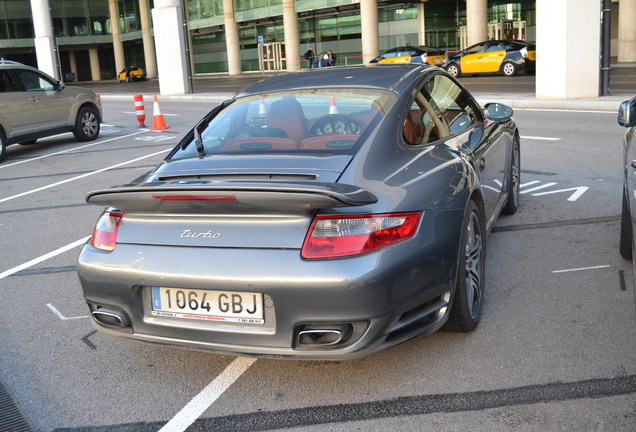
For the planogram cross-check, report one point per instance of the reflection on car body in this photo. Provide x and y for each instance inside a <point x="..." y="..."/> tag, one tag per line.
<point x="508" y="57"/>
<point x="411" y="54"/>
<point x="319" y="215"/>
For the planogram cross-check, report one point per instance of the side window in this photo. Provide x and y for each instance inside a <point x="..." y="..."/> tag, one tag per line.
<point x="423" y="123"/>
<point x="497" y="47"/>
<point x="7" y="84"/>
<point x="33" y="81"/>
<point x="456" y="107"/>
<point x="476" y="49"/>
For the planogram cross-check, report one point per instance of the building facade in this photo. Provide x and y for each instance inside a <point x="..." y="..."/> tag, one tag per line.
<point x="95" y="39"/>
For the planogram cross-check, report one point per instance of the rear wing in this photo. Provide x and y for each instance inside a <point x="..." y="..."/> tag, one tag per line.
<point x="222" y="197"/>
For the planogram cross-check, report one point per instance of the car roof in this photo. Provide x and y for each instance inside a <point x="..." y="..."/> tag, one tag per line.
<point x="379" y="76"/>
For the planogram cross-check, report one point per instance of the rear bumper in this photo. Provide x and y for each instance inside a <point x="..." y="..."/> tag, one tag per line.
<point x="381" y="298"/>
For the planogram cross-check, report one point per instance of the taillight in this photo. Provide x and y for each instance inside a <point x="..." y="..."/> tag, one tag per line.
<point x="105" y="232"/>
<point x="337" y="236"/>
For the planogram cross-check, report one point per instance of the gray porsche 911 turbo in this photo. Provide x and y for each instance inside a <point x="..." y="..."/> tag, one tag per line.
<point x="327" y="214"/>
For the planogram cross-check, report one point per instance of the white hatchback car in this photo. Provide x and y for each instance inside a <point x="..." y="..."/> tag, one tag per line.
<point x="34" y="105"/>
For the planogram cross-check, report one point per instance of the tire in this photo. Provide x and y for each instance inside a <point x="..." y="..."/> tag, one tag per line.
<point x="512" y="205"/>
<point x="469" y="286"/>
<point x="128" y="79"/>
<point x="3" y="144"/>
<point x="625" y="245"/>
<point x="453" y="70"/>
<point x="87" y="124"/>
<point x="509" y="69"/>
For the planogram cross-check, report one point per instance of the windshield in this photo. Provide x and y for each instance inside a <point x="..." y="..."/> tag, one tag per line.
<point x="296" y="121"/>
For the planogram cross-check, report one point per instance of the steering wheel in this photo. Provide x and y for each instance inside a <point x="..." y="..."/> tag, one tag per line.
<point x="335" y="124"/>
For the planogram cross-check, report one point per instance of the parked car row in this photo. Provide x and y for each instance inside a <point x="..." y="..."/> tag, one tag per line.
<point x="507" y="57"/>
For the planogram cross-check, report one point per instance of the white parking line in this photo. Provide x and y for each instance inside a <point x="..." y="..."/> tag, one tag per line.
<point x="44" y="257"/>
<point x="566" y="110"/>
<point x="67" y="151"/>
<point x="208" y="395"/>
<point x="81" y="176"/>
<point x="62" y="317"/>
<point x="540" y="138"/>
<point x="581" y="269"/>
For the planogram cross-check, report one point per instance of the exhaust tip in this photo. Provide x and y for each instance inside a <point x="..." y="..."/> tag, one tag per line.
<point x="322" y="337"/>
<point x="111" y="318"/>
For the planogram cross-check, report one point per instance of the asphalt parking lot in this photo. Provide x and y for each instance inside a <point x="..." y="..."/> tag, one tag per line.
<point x="555" y="351"/>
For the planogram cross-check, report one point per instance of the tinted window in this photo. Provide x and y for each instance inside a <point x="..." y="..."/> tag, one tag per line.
<point x="33" y="81"/>
<point x="7" y="83"/>
<point x="476" y="49"/>
<point x="295" y="121"/>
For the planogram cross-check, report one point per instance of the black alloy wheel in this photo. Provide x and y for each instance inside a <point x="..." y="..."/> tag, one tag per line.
<point x="469" y="286"/>
<point x="87" y="124"/>
<point x="515" y="178"/>
<point x="625" y="245"/>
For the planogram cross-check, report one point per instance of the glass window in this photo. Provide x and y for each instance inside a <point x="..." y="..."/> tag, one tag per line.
<point x="297" y="121"/>
<point x="34" y="81"/>
<point x="453" y="103"/>
<point x="7" y="84"/>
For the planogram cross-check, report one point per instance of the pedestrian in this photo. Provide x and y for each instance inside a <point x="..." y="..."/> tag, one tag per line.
<point x="325" y="59"/>
<point x="332" y="58"/>
<point x="310" y="56"/>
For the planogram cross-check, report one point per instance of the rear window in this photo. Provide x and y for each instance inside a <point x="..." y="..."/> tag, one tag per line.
<point x="314" y="120"/>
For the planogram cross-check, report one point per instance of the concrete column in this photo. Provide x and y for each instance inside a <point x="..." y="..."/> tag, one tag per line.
<point x="167" y="18"/>
<point x="118" y="46"/>
<point x="369" y="27"/>
<point x="574" y="27"/>
<point x="421" y="26"/>
<point x="93" y="55"/>
<point x="232" y="39"/>
<point x="149" y="44"/>
<point x="44" y="39"/>
<point x="73" y="62"/>
<point x="292" y="40"/>
<point x="477" y="21"/>
<point x="627" y="31"/>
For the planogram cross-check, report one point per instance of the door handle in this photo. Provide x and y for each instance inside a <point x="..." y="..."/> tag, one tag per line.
<point x="34" y="99"/>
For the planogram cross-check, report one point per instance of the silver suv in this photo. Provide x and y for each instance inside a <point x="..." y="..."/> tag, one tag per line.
<point x="33" y="105"/>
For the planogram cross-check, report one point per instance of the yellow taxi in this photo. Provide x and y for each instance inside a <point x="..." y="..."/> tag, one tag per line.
<point x="132" y="73"/>
<point x="507" y="57"/>
<point x="411" y="54"/>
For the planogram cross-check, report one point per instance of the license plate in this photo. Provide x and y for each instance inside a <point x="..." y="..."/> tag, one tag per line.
<point x="238" y="307"/>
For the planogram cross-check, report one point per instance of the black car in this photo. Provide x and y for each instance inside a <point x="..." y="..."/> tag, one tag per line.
<point x="326" y="214"/>
<point x="507" y="57"/>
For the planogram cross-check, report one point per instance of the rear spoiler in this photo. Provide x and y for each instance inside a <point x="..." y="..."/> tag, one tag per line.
<point x="230" y="196"/>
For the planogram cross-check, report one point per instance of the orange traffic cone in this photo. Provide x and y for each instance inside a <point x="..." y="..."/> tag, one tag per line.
<point x="158" y="123"/>
<point x="333" y="109"/>
<point x="139" y="110"/>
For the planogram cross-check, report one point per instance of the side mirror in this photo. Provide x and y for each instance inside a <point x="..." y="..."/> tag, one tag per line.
<point x="60" y="86"/>
<point x="627" y="113"/>
<point x="498" y="111"/>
